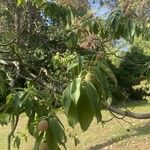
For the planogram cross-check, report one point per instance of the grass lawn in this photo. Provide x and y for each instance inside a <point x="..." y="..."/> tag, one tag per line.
<point x="114" y="135"/>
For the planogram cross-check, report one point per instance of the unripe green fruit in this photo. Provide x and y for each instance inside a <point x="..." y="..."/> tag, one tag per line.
<point x="43" y="125"/>
<point x="43" y="146"/>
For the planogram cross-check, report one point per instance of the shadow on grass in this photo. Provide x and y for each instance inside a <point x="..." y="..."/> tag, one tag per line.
<point x="138" y="131"/>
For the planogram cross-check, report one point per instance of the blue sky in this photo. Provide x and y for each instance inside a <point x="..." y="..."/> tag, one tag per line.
<point x="99" y="10"/>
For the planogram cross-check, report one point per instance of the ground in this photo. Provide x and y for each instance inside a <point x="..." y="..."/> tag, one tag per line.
<point x="114" y="135"/>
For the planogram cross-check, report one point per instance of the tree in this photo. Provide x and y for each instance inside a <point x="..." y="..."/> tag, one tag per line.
<point x="53" y="60"/>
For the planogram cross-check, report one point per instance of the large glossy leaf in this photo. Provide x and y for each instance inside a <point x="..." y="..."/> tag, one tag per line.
<point x="31" y="125"/>
<point x="75" y="90"/>
<point x="66" y="99"/>
<point x="94" y="99"/>
<point x="57" y="131"/>
<point x="72" y="115"/>
<point x="85" y="110"/>
<point x="103" y="83"/>
<point x="51" y="140"/>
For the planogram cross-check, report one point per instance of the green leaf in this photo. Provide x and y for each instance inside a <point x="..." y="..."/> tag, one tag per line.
<point x="80" y="63"/>
<point x="64" y="15"/>
<point x="72" y="115"/>
<point x="127" y="34"/>
<point x="57" y="131"/>
<point x="72" y="40"/>
<point x="115" y="23"/>
<point x="69" y="18"/>
<point x="31" y="125"/>
<point x="90" y="25"/>
<point x="2" y="87"/>
<point x="66" y="99"/>
<point x="94" y="99"/>
<point x="107" y="70"/>
<point x="95" y="27"/>
<point x="85" y="110"/>
<point x="51" y="10"/>
<point x="75" y="90"/>
<point x="102" y="82"/>
<point x="73" y="65"/>
<point x="109" y="20"/>
<point x="16" y="104"/>
<point x="4" y="118"/>
<point x="132" y="27"/>
<point x="51" y="140"/>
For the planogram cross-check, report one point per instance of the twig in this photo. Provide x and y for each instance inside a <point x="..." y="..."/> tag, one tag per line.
<point x="105" y="121"/>
<point x="42" y="82"/>
<point x="13" y="40"/>
<point x="117" y="116"/>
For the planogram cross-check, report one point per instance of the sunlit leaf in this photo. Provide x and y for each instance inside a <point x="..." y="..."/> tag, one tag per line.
<point x="75" y="90"/>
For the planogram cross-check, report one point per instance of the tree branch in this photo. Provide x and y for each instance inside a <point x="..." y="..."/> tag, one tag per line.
<point x="13" y="40"/>
<point x="126" y="113"/>
<point x="42" y="82"/>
